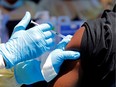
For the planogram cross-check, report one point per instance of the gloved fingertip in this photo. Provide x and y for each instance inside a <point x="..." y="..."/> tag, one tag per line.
<point x="50" y="42"/>
<point x="27" y="16"/>
<point x="52" y="27"/>
<point x="27" y="12"/>
<point x="45" y="27"/>
<point x="69" y="36"/>
<point x="71" y="55"/>
<point x="77" y="55"/>
<point x="25" y="21"/>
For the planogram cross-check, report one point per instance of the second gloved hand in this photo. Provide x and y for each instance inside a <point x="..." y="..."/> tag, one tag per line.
<point x="32" y="71"/>
<point x="26" y="44"/>
<point x="51" y="67"/>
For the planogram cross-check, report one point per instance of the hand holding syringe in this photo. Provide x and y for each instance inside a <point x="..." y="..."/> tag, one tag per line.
<point x="58" y="34"/>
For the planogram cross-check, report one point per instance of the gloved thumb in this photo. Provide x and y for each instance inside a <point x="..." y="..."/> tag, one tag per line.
<point x="23" y="23"/>
<point x="62" y="44"/>
<point x="70" y="55"/>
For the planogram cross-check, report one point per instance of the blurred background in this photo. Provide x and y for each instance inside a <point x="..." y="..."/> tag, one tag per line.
<point x="65" y="15"/>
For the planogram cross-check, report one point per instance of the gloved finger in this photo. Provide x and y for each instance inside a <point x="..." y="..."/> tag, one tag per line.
<point x="66" y="39"/>
<point x="23" y="23"/>
<point x="45" y="27"/>
<point x="48" y="34"/>
<point x="70" y="55"/>
<point x="45" y="34"/>
<point x="50" y="42"/>
<point x="62" y="44"/>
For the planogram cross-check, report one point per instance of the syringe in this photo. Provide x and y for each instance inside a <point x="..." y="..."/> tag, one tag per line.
<point x="58" y="34"/>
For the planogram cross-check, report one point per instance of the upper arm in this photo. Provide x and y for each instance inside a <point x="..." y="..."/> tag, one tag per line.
<point x="69" y="72"/>
<point x="75" y="42"/>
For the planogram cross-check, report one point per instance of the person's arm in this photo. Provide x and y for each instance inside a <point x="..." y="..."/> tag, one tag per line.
<point x="69" y="76"/>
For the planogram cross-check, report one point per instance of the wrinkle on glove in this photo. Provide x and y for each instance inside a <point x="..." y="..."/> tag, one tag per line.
<point x="26" y="44"/>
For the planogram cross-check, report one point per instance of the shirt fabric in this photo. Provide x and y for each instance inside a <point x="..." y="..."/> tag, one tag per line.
<point x="98" y="51"/>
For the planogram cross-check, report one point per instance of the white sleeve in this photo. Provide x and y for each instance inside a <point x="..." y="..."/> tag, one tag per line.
<point x="2" y="64"/>
<point x="47" y="69"/>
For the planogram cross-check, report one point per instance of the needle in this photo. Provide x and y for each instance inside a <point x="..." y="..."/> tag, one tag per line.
<point x="58" y="34"/>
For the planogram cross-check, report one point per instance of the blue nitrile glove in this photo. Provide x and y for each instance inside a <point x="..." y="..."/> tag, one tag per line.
<point x="26" y="44"/>
<point x="28" y="72"/>
<point x="50" y="68"/>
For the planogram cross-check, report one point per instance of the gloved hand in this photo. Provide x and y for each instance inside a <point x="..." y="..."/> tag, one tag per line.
<point x="34" y="70"/>
<point x="50" y="68"/>
<point x="26" y="44"/>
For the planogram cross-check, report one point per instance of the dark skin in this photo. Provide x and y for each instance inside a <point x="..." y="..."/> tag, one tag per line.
<point x="69" y="77"/>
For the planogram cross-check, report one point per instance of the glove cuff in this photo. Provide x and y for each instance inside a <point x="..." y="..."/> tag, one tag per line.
<point x="2" y="64"/>
<point x="47" y="70"/>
